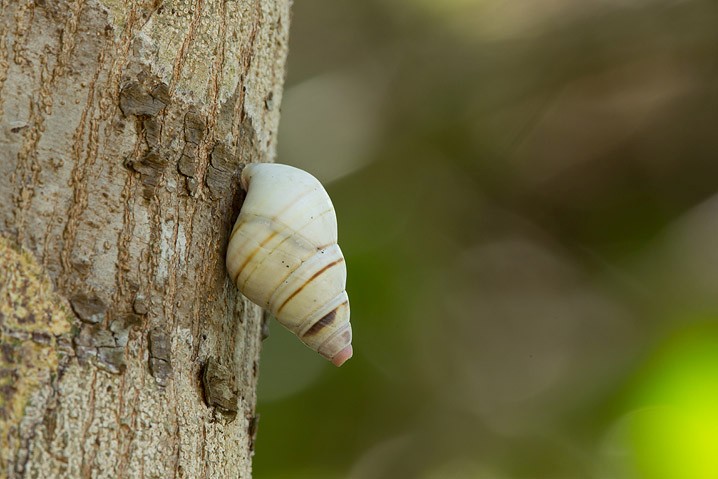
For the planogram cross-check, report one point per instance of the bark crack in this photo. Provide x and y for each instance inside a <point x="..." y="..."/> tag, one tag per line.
<point x="80" y="173"/>
<point x="86" y="464"/>
<point x="4" y="60"/>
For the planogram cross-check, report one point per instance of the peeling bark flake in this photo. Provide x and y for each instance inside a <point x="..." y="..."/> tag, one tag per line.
<point x="220" y="389"/>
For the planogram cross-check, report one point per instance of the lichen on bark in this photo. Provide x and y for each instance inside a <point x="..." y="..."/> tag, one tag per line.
<point x="34" y="335"/>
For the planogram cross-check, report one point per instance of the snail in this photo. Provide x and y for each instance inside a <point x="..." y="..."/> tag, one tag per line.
<point x="283" y="256"/>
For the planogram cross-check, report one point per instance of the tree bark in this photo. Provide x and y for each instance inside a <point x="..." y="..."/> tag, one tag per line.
<point x="125" y="351"/>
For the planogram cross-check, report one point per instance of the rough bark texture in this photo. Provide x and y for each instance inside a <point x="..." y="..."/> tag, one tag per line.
<point x="125" y="351"/>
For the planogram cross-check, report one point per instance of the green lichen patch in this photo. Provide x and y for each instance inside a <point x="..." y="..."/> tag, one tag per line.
<point x="32" y="319"/>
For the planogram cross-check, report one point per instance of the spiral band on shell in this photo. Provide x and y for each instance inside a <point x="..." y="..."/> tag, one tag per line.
<point x="283" y="256"/>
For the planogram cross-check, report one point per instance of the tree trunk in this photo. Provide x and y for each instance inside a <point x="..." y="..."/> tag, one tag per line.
<point x="125" y="351"/>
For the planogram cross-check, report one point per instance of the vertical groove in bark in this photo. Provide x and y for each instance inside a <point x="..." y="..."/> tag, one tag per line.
<point x="124" y="127"/>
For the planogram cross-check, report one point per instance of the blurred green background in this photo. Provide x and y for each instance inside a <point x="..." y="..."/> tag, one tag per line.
<point x="527" y="194"/>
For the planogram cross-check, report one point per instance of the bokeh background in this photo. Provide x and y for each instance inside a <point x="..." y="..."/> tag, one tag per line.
<point x="527" y="194"/>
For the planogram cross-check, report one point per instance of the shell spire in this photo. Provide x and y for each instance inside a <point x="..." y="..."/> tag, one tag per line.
<point x="283" y="256"/>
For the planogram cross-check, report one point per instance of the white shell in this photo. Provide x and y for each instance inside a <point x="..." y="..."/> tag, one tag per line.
<point x="283" y="255"/>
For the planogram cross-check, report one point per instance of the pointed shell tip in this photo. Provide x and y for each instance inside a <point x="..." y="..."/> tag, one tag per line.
<point x="343" y="356"/>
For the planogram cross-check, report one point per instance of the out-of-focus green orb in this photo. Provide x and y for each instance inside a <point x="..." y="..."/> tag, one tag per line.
<point x="675" y="434"/>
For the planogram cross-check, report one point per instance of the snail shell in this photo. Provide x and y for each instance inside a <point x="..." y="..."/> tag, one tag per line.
<point x="283" y="255"/>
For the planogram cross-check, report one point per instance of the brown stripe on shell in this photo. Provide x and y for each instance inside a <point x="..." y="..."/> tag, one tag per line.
<point x="236" y="228"/>
<point x="325" y="321"/>
<point x="289" y="204"/>
<point x="254" y="252"/>
<point x="342" y="332"/>
<point x="314" y="276"/>
<point x="286" y="237"/>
